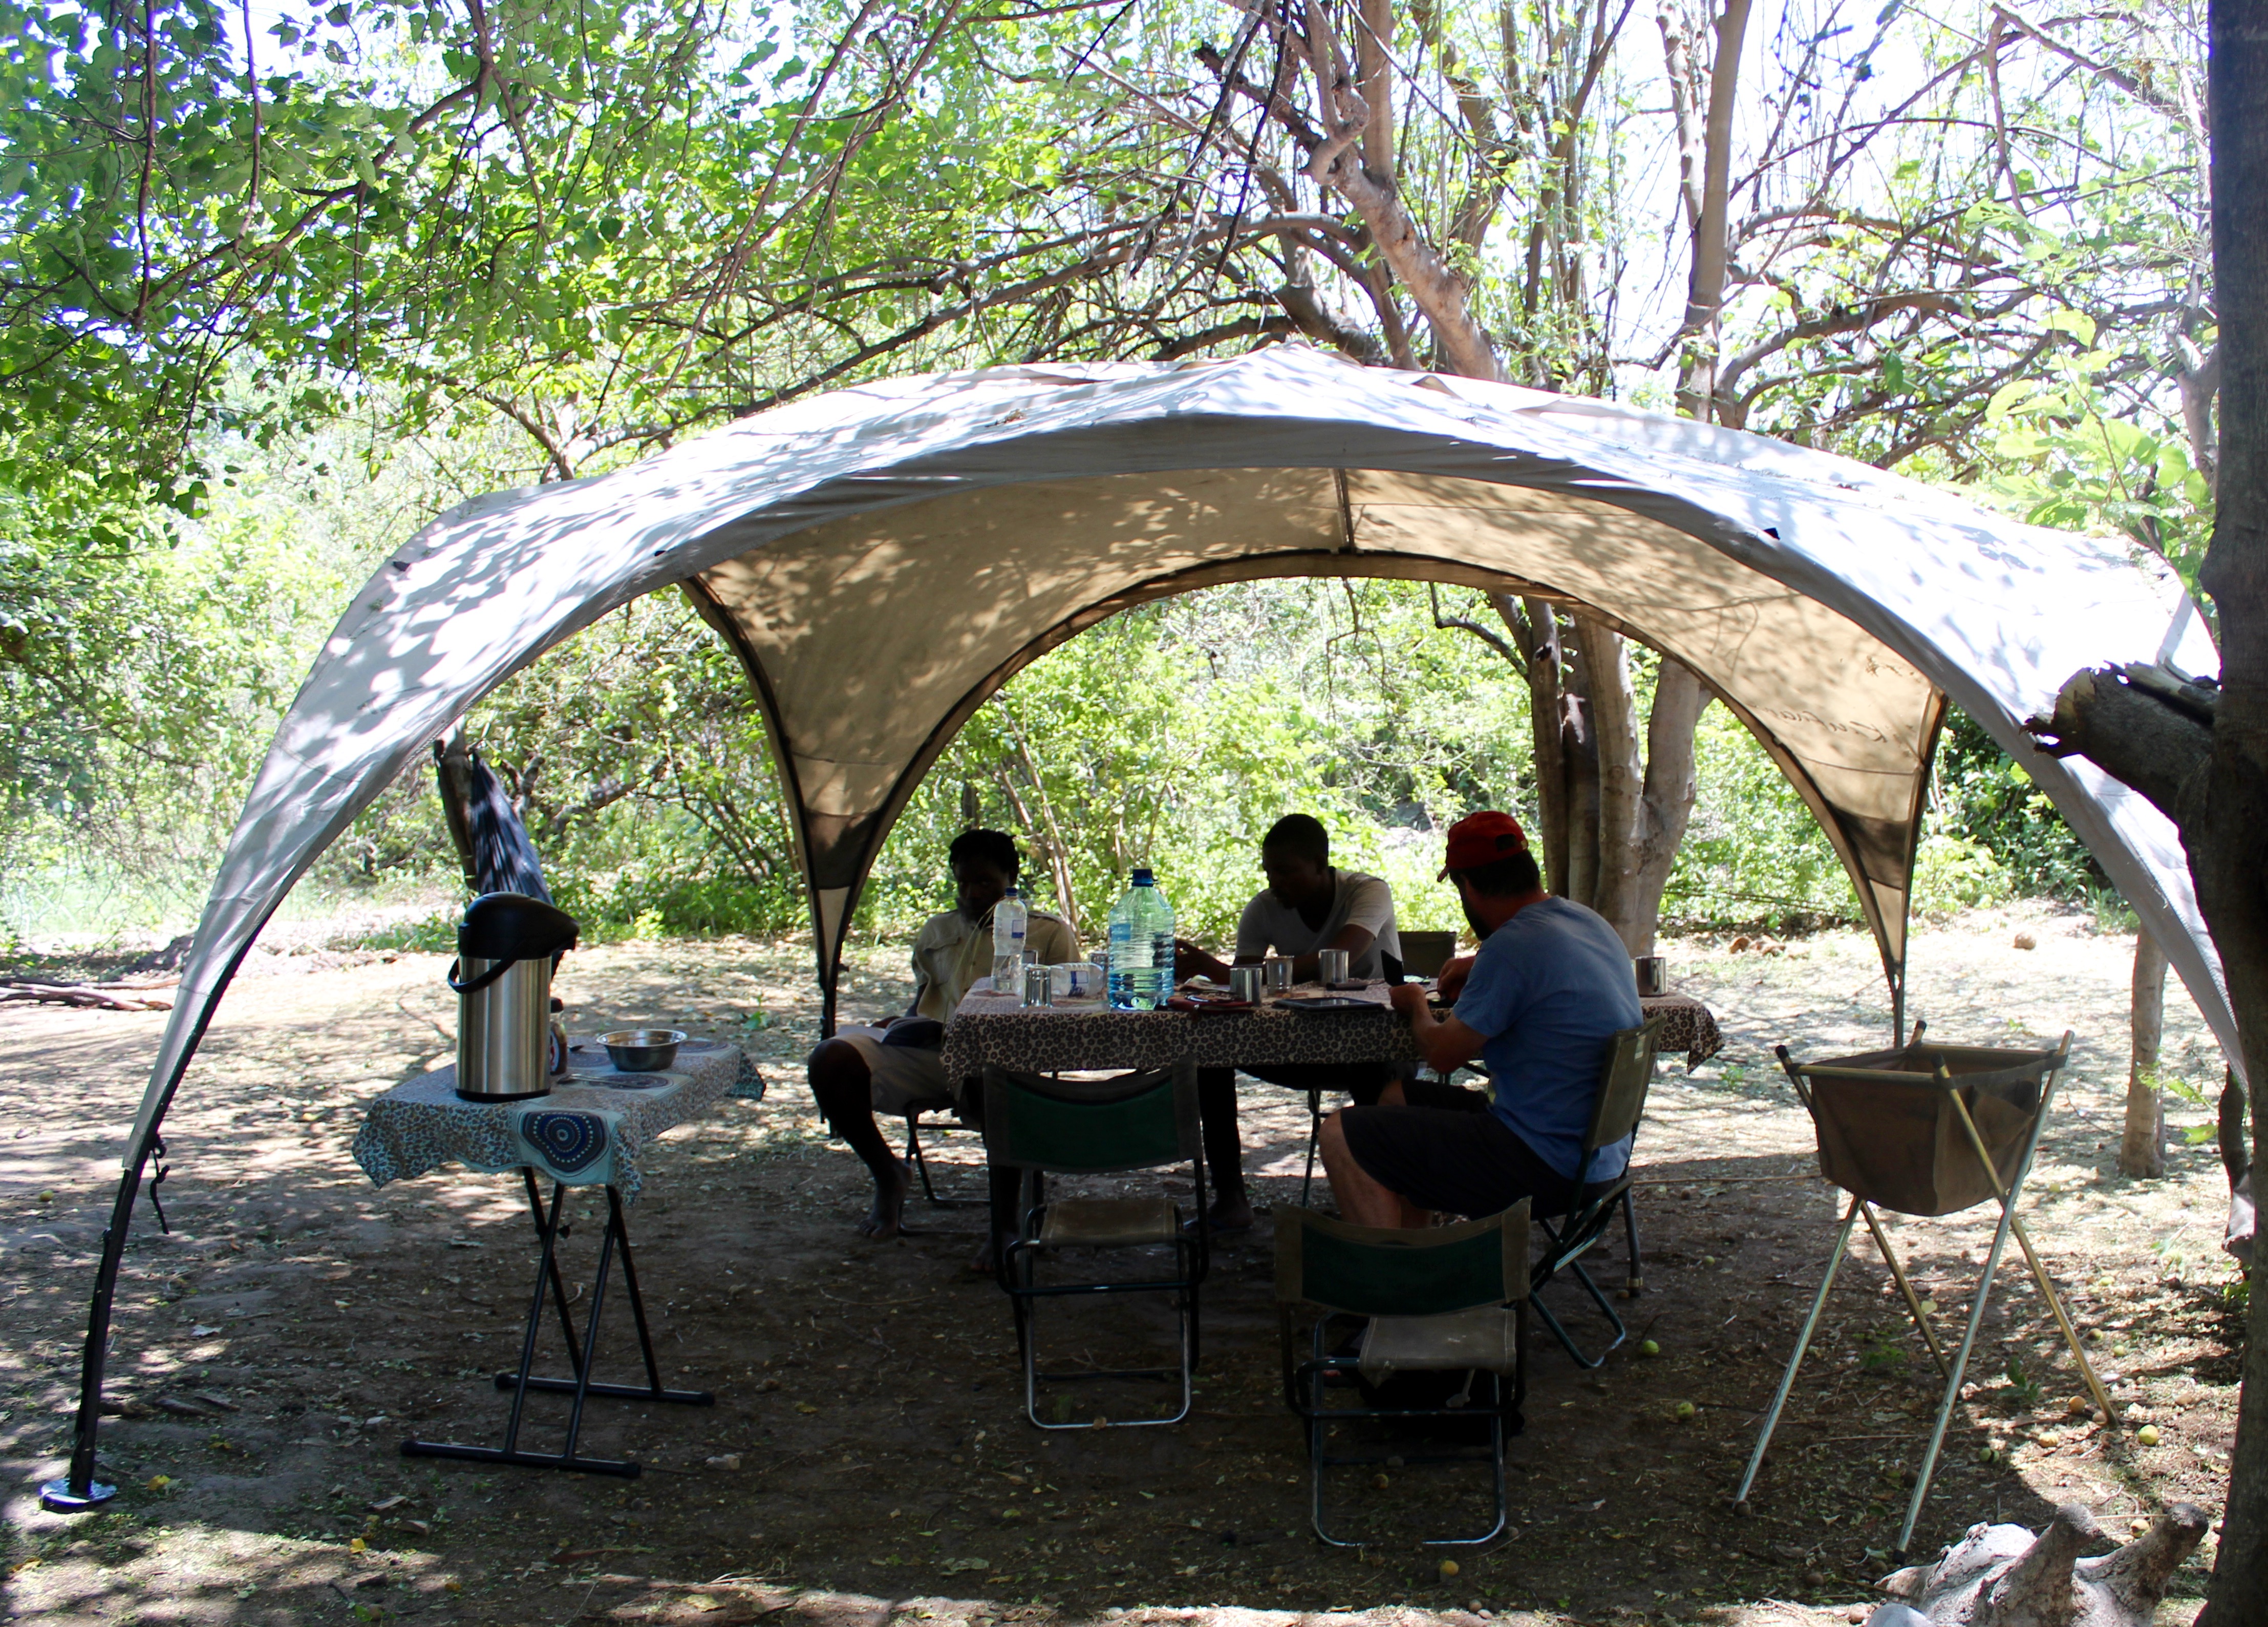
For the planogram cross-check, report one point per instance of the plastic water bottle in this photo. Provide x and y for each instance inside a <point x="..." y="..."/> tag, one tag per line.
<point x="1010" y="921"/>
<point x="1140" y="976"/>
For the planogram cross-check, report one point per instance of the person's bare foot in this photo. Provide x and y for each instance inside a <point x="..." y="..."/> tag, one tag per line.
<point x="882" y="1221"/>
<point x="986" y="1258"/>
<point x="1229" y="1214"/>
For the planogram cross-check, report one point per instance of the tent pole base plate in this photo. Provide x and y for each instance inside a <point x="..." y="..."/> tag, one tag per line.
<point x="57" y="1498"/>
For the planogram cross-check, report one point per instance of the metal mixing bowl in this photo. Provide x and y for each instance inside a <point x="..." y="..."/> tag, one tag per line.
<point x="642" y="1050"/>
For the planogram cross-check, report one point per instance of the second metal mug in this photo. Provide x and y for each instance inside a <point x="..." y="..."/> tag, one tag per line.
<point x="1277" y="974"/>
<point x="1331" y="966"/>
<point x="1244" y="983"/>
<point x="1653" y="975"/>
<point x="1039" y="985"/>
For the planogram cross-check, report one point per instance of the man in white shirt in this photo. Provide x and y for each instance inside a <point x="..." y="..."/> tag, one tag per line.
<point x="895" y="1066"/>
<point x="1308" y="906"/>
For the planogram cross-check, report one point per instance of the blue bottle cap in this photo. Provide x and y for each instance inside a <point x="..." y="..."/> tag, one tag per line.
<point x="1143" y="878"/>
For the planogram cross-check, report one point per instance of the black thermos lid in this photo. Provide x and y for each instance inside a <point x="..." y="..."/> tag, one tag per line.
<point x="511" y="925"/>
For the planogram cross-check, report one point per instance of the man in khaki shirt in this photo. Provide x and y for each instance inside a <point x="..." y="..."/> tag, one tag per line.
<point x="896" y="1068"/>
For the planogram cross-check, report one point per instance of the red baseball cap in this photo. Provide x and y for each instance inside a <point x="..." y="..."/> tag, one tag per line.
<point x="1481" y="838"/>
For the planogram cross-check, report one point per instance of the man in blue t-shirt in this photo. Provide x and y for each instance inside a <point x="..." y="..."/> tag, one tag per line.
<point x="1549" y="987"/>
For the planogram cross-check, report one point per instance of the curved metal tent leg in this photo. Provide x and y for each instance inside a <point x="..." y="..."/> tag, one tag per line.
<point x="79" y="1489"/>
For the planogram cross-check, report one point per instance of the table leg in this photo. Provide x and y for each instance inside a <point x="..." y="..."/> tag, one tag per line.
<point x="583" y="1353"/>
<point x="637" y="1299"/>
<point x="558" y="1288"/>
<point x="617" y="1233"/>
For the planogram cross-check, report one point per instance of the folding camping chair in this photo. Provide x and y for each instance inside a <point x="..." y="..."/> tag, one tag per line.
<point x="943" y="1104"/>
<point x="1058" y="1126"/>
<point x="1423" y="954"/>
<point x="1624" y="1081"/>
<point x="1435" y="1299"/>
<point x="1927" y="1130"/>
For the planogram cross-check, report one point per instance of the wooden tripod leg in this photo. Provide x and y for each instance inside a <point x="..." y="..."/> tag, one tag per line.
<point x="2039" y="1271"/>
<point x="1898" y="1274"/>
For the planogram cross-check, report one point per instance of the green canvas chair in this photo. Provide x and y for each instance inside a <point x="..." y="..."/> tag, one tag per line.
<point x="1622" y="1083"/>
<point x="1047" y="1126"/>
<point x="1437" y="1299"/>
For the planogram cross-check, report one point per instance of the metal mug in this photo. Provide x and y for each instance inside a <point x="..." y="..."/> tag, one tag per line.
<point x="1653" y="975"/>
<point x="1331" y="966"/>
<point x="1244" y="983"/>
<point x="1276" y="973"/>
<point x="1039" y="985"/>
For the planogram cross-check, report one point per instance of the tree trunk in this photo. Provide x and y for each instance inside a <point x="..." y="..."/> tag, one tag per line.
<point x="2142" y="1150"/>
<point x="1614" y="726"/>
<point x="2235" y="1159"/>
<point x="1536" y="624"/>
<point x="2228" y="847"/>
<point x="1580" y="752"/>
<point x="1711" y="256"/>
<point x="1666" y="806"/>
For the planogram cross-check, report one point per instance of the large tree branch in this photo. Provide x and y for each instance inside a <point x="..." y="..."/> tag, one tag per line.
<point x="2143" y="726"/>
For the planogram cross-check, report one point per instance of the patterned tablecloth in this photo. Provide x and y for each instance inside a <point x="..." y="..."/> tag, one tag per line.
<point x="589" y="1132"/>
<point x="1691" y="1028"/>
<point x="998" y="1029"/>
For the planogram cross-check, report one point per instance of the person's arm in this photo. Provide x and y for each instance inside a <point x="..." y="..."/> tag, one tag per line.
<point x="920" y="988"/>
<point x="1447" y="1044"/>
<point x="1191" y="961"/>
<point x="1452" y="977"/>
<point x="1351" y="938"/>
<point x="1370" y="912"/>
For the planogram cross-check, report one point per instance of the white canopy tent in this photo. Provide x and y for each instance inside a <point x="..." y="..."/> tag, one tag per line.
<point x="883" y="557"/>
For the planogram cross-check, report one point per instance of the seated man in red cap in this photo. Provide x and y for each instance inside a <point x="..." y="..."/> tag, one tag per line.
<point x="1549" y="987"/>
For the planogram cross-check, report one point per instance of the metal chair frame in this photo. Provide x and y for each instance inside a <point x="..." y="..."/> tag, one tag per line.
<point x="2007" y="1194"/>
<point x="921" y="1164"/>
<point x="1624" y="1083"/>
<point x="1308" y="1384"/>
<point x="1192" y="1244"/>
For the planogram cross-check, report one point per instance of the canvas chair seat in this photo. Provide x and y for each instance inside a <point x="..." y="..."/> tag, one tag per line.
<point x="1484" y="1338"/>
<point x="1109" y="1223"/>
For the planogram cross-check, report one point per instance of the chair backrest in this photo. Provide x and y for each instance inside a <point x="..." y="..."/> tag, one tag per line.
<point x="1423" y="954"/>
<point x="1622" y="1083"/>
<point x="1133" y="1121"/>
<point x="1383" y="1271"/>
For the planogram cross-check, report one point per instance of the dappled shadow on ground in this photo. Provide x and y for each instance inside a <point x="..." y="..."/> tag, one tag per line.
<point x="872" y="1462"/>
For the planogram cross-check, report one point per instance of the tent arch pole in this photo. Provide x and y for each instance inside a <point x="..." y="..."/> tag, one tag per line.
<point x="78" y="1489"/>
<point x="1375" y="565"/>
<point x="791" y="786"/>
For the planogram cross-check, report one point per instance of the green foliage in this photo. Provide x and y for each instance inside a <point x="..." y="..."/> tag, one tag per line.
<point x="2067" y="462"/>
<point x="1753" y="852"/>
<point x="1988" y="803"/>
<point x="1175" y="733"/>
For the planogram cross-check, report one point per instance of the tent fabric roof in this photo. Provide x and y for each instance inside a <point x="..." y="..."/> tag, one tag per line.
<point x="883" y="557"/>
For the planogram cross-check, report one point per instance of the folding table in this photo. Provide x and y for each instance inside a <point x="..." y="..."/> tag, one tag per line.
<point x="591" y="1130"/>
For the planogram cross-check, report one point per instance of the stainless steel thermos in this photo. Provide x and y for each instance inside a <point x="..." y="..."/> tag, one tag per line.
<point x="506" y="947"/>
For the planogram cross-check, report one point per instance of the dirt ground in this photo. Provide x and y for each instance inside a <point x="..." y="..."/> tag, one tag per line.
<point x="868" y="1459"/>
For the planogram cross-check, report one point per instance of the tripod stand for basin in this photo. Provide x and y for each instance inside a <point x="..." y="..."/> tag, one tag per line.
<point x="1927" y="1130"/>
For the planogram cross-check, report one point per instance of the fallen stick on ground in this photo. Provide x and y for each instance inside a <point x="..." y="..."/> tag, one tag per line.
<point x="102" y="997"/>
